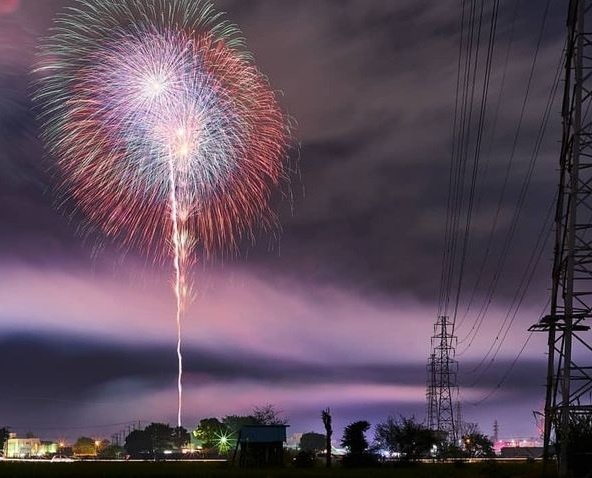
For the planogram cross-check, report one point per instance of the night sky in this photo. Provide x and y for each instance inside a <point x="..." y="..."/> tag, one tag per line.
<point x="339" y="310"/>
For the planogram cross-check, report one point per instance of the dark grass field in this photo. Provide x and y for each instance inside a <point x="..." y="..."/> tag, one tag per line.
<point x="202" y="470"/>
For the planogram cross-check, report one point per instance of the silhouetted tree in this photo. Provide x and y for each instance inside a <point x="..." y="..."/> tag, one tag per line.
<point x="84" y="446"/>
<point x="313" y="442"/>
<point x="326" y="415"/>
<point x="468" y="428"/>
<point x="405" y="436"/>
<point x="448" y="450"/>
<point x="580" y="444"/>
<point x="4" y="434"/>
<point x="138" y="442"/>
<point x="180" y="437"/>
<point x="386" y="435"/>
<point x="218" y="436"/>
<point x="160" y="436"/>
<point x="268" y="415"/>
<point x="477" y="445"/>
<point x="357" y="445"/>
<point x="354" y="439"/>
<point x="156" y="438"/>
<point x="207" y="431"/>
<point x="111" y="452"/>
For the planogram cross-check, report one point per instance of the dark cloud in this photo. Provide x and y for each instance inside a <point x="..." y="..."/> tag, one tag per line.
<point x="66" y="374"/>
<point x="373" y="97"/>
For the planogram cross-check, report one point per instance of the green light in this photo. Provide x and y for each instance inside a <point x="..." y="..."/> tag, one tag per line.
<point x="223" y="442"/>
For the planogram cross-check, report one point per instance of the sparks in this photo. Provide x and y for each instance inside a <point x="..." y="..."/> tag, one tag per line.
<point x="163" y="129"/>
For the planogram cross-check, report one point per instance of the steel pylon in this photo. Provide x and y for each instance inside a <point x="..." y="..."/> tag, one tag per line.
<point x="442" y="387"/>
<point x="568" y="398"/>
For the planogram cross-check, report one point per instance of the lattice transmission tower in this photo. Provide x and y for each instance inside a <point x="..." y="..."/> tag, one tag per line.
<point x="568" y="399"/>
<point x="442" y="387"/>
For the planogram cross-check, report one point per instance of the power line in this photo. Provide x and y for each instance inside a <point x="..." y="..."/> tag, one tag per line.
<point x="458" y="158"/>
<point x="520" y="294"/>
<point x="477" y="154"/>
<point x="524" y="189"/>
<point x="508" y="371"/>
<point x="460" y="203"/>
<point x="441" y="408"/>
<point x="492" y="137"/>
<point x="521" y="200"/>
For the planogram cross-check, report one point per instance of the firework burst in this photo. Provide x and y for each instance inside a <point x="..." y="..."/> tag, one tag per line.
<point x="164" y="131"/>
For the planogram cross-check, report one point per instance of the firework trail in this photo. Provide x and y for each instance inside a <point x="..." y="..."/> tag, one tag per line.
<point x="164" y="132"/>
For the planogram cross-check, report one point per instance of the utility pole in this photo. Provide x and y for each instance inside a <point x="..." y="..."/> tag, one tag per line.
<point x="442" y="390"/>
<point x="569" y="362"/>
<point x="495" y="432"/>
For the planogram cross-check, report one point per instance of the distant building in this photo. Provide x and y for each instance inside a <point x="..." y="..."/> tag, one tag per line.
<point x="261" y="445"/>
<point x="49" y="448"/>
<point x="522" y="452"/>
<point x="30" y="447"/>
<point x="516" y="443"/>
